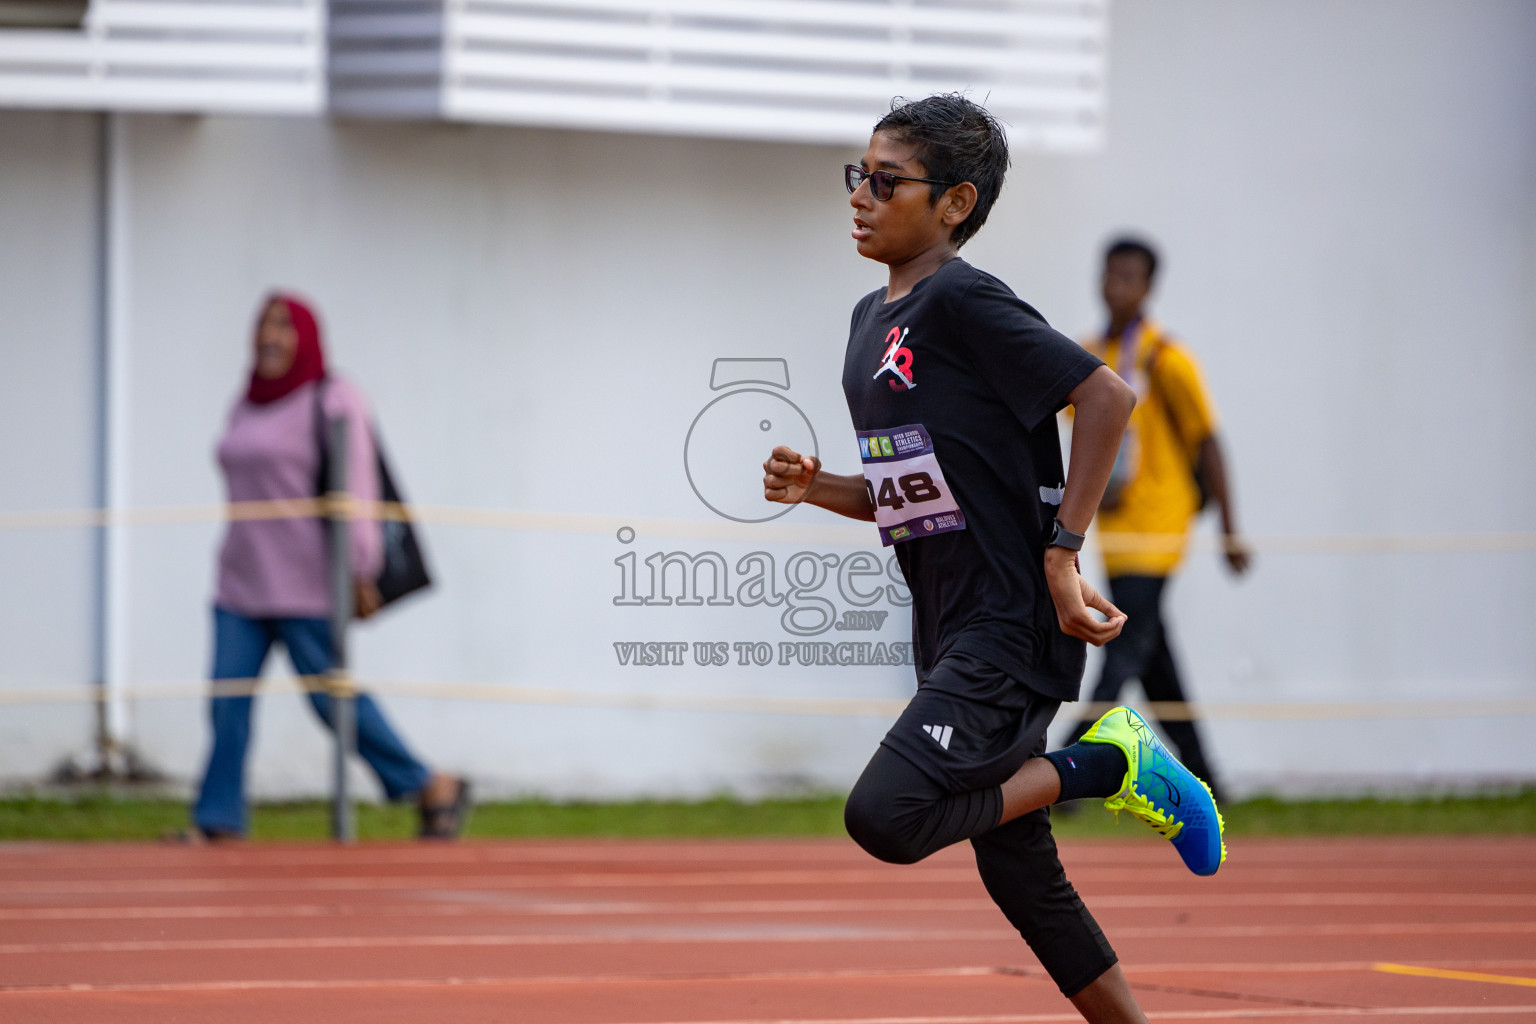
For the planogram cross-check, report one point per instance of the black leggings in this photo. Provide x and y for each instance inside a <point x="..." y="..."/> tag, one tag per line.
<point x="900" y="815"/>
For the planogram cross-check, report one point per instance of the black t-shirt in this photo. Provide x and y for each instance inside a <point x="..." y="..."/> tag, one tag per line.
<point x="984" y="374"/>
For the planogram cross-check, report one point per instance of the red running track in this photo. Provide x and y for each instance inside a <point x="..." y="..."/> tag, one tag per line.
<point x="693" y="932"/>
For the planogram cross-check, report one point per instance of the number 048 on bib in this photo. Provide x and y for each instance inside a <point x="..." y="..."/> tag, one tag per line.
<point x="906" y="485"/>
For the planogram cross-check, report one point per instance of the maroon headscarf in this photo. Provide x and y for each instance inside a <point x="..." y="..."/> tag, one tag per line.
<point x="308" y="358"/>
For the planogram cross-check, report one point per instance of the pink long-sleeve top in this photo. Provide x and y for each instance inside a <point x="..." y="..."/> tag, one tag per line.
<point x="279" y="568"/>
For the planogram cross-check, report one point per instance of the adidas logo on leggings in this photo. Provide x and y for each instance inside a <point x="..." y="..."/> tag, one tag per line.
<point x="942" y="733"/>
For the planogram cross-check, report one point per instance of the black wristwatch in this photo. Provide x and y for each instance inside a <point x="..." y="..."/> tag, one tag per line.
<point x="1061" y="537"/>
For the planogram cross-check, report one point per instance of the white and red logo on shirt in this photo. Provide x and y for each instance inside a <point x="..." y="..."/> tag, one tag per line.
<point x="897" y="361"/>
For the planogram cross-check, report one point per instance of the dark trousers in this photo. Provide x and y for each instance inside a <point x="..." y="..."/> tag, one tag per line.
<point x="1141" y="651"/>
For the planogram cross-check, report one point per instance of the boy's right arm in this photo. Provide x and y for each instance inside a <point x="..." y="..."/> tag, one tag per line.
<point x="791" y="478"/>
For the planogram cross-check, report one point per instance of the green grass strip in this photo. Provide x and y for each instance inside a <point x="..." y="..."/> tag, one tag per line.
<point x="109" y="817"/>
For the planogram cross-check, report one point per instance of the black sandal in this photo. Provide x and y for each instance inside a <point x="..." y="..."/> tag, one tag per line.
<point x="446" y="821"/>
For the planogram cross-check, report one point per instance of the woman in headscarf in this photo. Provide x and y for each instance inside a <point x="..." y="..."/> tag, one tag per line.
<point x="274" y="576"/>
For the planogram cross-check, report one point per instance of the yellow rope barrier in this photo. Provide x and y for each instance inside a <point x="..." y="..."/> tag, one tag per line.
<point x="772" y="704"/>
<point x="509" y="519"/>
<point x="718" y="530"/>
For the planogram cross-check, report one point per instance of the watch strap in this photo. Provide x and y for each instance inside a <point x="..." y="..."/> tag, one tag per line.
<point x="1061" y="537"/>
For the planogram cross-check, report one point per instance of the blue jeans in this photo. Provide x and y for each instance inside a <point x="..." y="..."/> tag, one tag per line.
<point x="240" y="646"/>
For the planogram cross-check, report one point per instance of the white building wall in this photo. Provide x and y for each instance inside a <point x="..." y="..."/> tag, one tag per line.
<point x="47" y="401"/>
<point x="1347" y="201"/>
<point x="1347" y="197"/>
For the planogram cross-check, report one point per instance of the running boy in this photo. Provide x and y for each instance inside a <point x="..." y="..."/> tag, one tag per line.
<point x="953" y="384"/>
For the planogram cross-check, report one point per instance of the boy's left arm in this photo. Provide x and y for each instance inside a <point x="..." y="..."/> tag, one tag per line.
<point x="1102" y="405"/>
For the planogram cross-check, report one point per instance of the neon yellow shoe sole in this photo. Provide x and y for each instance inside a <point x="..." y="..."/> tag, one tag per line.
<point x="1162" y="792"/>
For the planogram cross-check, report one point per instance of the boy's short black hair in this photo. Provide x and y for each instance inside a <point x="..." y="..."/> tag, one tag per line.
<point x="1129" y="245"/>
<point x="956" y="140"/>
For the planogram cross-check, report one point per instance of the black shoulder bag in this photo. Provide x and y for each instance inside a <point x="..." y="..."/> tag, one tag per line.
<point x="405" y="567"/>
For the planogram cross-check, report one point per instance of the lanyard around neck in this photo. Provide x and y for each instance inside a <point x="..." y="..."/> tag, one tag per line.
<point x="1136" y="338"/>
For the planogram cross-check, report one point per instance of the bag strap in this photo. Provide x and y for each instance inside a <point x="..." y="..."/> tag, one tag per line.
<point x="1154" y="354"/>
<point x="1192" y="459"/>
<point x="322" y="442"/>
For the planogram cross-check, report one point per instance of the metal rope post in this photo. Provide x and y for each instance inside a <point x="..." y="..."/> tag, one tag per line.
<point x="338" y="681"/>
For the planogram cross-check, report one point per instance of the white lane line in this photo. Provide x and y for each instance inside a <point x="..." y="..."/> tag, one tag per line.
<point x="1435" y="1012"/>
<point x="461" y="903"/>
<point x="606" y="880"/>
<point x="779" y="977"/>
<point x="1318" y="967"/>
<point x="775" y="977"/>
<point x="1226" y="968"/>
<point x="848" y="974"/>
<point x="1513" y="879"/>
<point x="684" y="935"/>
<point x="962" y="971"/>
<point x="833" y="852"/>
<point x="1440" y="1013"/>
<point x="677" y="936"/>
<point x="740" y="977"/>
<point x="1082" y="857"/>
<point x="1127" y="848"/>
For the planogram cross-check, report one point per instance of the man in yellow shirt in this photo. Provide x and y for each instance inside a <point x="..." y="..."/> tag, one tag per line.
<point x="1168" y="467"/>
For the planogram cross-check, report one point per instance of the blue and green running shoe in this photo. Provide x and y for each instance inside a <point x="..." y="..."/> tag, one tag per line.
<point x="1162" y="792"/>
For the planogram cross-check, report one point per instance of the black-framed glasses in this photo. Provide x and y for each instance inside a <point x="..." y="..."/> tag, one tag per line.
<point x="882" y="184"/>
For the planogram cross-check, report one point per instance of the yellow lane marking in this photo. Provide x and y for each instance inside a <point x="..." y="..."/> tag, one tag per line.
<point x="1435" y="972"/>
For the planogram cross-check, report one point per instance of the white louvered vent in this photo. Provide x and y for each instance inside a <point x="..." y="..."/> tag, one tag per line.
<point x="801" y="70"/>
<point x="256" y="56"/>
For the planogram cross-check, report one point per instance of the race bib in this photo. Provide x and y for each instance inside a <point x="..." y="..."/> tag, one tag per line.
<point x="906" y="485"/>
